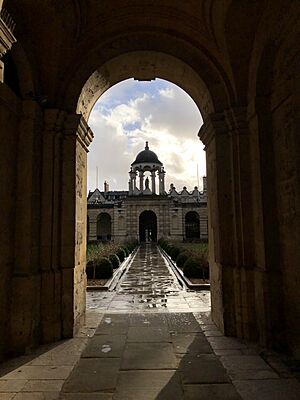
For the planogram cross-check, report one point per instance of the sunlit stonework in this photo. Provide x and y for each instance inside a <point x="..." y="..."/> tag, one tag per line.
<point x="146" y="211"/>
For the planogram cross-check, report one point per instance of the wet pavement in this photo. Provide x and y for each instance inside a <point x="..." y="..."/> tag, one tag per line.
<point x="149" y="285"/>
<point x="148" y="340"/>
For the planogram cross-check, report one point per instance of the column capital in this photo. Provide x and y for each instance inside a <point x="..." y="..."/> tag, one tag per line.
<point x="236" y="120"/>
<point x="214" y="124"/>
<point x="60" y="122"/>
<point x="229" y="121"/>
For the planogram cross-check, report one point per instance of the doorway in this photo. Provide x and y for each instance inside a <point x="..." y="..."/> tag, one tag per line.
<point x="148" y="226"/>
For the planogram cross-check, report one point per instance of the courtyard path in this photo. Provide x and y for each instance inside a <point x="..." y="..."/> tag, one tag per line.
<point x="148" y="340"/>
<point x="149" y="285"/>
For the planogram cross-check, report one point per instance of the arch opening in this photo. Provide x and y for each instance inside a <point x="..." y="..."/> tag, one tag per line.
<point x="104" y="227"/>
<point x="144" y="66"/>
<point x="148" y="226"/>
<point x="192" y="226"/>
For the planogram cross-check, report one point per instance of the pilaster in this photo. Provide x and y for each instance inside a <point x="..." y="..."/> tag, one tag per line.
<point x="226" y="140"/>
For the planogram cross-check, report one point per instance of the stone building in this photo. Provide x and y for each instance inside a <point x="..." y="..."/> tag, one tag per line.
<point x="239" y="61"/>
<point x="146" y="212"/>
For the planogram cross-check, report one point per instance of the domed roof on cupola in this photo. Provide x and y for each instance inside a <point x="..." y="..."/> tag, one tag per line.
<point x="146" y="156"/>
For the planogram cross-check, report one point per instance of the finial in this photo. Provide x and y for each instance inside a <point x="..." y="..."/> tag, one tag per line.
<point x="147" y="147"/>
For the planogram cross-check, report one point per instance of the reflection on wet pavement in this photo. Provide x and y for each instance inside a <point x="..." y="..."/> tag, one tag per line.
<point x="149" y="285"/>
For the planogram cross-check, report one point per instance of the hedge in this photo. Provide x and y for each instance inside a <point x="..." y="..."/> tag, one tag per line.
<point x="103" y="268"/>
<point x="114" y="259"/>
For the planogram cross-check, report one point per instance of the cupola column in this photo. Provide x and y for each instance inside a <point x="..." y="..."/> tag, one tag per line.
<point x="141" y="175"/>
<point x="153" y="182"/>
<point x="132" y="182"/>
<point x="161" y="175"/>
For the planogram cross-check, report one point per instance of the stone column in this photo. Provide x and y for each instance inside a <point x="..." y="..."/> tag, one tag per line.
<point x="161" y="175"/>
<point x="226" y="138"/>
<point x="153" y="182"/>
<point x="76" y="139"/>
<point x="25" y="287"/>
<point x="63" y="223"/>
<point x="141" y="175"/>
<point x="132" y="183"/>
<point x="51" y="275"/>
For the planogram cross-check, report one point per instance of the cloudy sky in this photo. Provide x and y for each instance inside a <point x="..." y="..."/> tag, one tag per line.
<point x="132" y="112"/>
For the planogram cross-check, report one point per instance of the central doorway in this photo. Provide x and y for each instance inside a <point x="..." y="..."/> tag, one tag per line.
<point x="148" y="226"/>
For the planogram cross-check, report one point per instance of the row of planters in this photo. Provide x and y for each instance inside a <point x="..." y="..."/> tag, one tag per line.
<point x="104" y="258"/>
<point x="191" y="258"/>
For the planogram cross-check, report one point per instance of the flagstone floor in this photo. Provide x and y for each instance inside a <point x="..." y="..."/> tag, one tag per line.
<point x="150" y="339"/>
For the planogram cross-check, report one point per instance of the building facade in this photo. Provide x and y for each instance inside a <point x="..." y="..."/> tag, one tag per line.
<point x="146" y="211"/>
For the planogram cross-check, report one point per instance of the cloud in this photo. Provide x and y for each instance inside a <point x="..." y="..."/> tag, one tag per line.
<point x="133" y="112"/>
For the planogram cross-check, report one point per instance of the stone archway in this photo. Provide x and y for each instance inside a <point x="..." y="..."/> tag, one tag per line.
<point x="72" y="59"/>
<point x="148" y="226"/>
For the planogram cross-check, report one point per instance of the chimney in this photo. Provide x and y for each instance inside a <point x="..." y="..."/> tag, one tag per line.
<point x="204" y="184"/>
<point x="106" y="187"/>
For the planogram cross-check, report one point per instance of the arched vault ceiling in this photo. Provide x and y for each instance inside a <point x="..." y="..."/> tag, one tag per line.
<point x="71" y="39"/>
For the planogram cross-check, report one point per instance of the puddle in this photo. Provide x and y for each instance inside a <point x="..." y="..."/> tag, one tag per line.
<point x="106" y="348"/>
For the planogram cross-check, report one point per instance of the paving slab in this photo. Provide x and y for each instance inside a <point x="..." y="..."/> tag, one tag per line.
<point x="115" y="324"/>
<point x="225" y="343"/>
<point x="37" y="396"/>
<point x="247" y="367"/>
<point x="219" y="391"/>
<point x="148" y="334"/>
<point x="212" y="333"/>
<point x="86" y="396"/>
<point x="39" y="372"/>
<point x="93" y="375"/>
<point x="228" y="352"/>
<point x="43" y="386"/>
<point x="12" y="385"/>
<point x="269" y="389"/>
<point x="65" y="353"/>
<point x="148" y="385"/>
<point x="204" y="368"/>
<point x="105" y="346"/>
<point x="148" y="356"/>
<point x="149" y="320"/>
<point x="183" y="322"/>
<point x="190" y="343"/>
<point x="204" y="318"/>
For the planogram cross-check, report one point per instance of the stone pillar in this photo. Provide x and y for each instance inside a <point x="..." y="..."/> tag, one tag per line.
<point x="51" y="274"/>
<point x="24" y="272"/>
<point x="153" y="182"/>
<point x="226" y="138"/>
<point x="161" y="175"/>
<point x="63" y="223"/>
<point x="132" y="182"/>
<point x="141" y="175"/>
<point x="76" y="139"/>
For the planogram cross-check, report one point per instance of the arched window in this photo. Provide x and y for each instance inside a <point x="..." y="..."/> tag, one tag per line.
<point x="192" y="225"/>
<point x="104" y="227"/>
